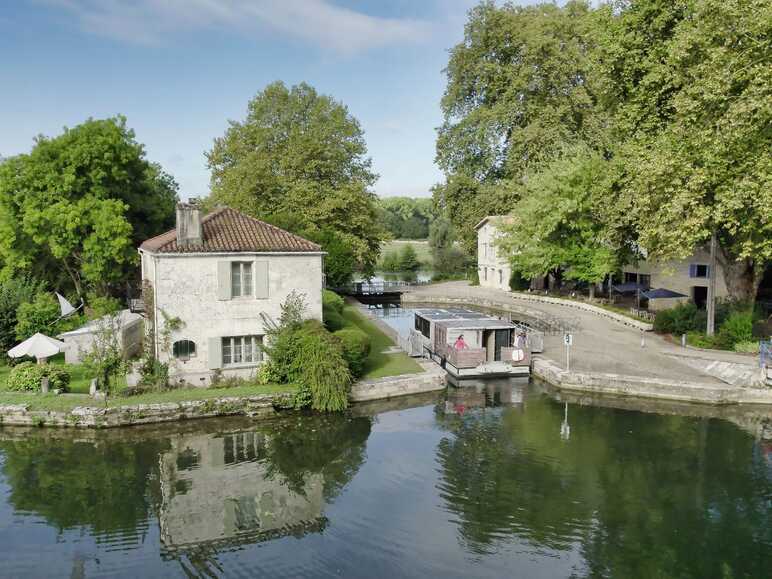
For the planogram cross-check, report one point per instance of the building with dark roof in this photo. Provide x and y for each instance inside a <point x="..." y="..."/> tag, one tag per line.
<point x="222" y="277"/>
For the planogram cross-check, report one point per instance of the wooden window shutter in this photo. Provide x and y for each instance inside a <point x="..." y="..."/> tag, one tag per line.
<point x="692" y="270"/>
<point x="214" y="349"/>
<point x="261" y="279"/>
<point x="224" y="280"/>
<point x="707" y="271"/>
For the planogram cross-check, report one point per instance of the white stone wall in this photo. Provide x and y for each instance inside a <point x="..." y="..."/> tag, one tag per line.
<point x="493" y="269"/>
<point x="186" y="287"/>
<point x="674" y="275"/>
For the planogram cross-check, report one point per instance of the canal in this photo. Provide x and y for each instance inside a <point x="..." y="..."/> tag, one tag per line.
<point x="488" y="482"/>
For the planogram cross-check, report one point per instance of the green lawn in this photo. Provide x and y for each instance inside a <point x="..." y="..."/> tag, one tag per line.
<point x="80" y="377"/>
<point x="66" y="402"/>
<point x="421" y="246"/>
<point x="378" y="364"/>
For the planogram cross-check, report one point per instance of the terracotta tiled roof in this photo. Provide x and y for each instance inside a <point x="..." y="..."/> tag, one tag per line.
<point x="227" y="230"/>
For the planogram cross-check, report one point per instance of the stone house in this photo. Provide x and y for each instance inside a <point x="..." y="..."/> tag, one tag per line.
<point x="493" y="268"/>
<point x="214" y="284"/>
<point x="689" y="276"/>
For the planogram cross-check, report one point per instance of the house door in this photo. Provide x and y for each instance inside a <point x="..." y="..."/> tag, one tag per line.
<point x="700" y="296"/>
<point x="502" y="341"/>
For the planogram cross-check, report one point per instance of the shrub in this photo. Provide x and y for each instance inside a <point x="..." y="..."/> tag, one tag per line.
<point x="27" y="376"/>
<point x="332" y="310"/>
<point x="738" y="327"/>
<point x="408" y="259"/>
<point x="356" y="348"/>
<point x="682" y="319"/>
<point x="701" y="340"/>
<point x="747" y="347"/>
<point x="310" y="357"/>
<point x="42" y="315"/>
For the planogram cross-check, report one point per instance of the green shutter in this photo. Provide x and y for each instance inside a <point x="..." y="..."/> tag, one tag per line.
<point x="261" y="279"/>
<point x="214" y="351"/>
<point x="224" y="280"/>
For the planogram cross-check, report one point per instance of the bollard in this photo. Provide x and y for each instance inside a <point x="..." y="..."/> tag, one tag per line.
<point x="683" y="340"/>
<point x="44" y="384"/>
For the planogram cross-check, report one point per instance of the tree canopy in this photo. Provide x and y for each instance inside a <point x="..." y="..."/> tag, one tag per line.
<point x="407" y="217"/>
<point x="73" y="210"/>
<point x="670" y="102"/>
<point x="300" y="154"/>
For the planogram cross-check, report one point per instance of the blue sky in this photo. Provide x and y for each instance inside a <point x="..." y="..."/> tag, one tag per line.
<point x="179" y="69"/>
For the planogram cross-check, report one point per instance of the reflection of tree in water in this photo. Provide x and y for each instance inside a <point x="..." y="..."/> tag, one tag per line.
<point x="101" y="485"/>
<point x="640" y="495"/>
<point x="330" y="445"/>
<point x="498" y="487"/>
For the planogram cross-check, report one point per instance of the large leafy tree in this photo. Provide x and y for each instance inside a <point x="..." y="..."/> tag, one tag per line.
<point x="303" y="154"/>
<point x="562" y="222"/>
<point x="73" y="210"/>
<point x="517" y="91"/>
<point x="690" y="84"/>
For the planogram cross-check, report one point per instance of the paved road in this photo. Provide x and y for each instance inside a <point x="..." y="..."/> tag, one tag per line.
<point x="600" y="344"/>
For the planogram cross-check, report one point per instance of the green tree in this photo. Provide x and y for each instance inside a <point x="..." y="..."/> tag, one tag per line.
<point x="518" y="89"/>
<point x="561" y="222"/>
<point x="73" y="210"/>
<point x="690" y="84"/>
<point x="13" y="293"/>
<point x="300" y="153"/>
<point x="408" y="259"/>
<point x="407" y="217"/>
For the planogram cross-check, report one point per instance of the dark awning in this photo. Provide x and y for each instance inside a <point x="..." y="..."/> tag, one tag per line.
<point x="628" y="287"/>
<point x="661" y="293"/>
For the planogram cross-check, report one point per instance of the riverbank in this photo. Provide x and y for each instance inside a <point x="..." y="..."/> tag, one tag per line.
<point x="610" y="356"/>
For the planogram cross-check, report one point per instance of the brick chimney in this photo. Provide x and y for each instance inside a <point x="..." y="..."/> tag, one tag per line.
<point x="189" y="230"/>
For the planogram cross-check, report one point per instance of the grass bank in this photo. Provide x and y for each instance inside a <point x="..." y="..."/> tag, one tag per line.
<point x="379" y="364"/>
<point x="66" y="402"/>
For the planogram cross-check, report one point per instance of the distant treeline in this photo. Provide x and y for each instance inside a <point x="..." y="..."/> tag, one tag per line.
<point x="407" y="217"/>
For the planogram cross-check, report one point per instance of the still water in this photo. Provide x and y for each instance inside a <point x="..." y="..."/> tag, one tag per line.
<point x="489" y="482"/>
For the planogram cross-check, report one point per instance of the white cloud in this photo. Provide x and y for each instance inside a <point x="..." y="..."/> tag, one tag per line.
<point x="320" y="22"/>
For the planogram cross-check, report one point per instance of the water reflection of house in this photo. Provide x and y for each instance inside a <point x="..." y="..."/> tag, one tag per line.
<point x="216" y="492"/>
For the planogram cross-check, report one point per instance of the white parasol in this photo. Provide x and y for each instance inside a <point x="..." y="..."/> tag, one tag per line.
<point x="38" y="346"/>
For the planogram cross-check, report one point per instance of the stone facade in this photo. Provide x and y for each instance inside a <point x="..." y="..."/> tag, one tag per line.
<point x="187" y="286"/>
<point x="493" y="269"/>
<point x="689" y="277"/>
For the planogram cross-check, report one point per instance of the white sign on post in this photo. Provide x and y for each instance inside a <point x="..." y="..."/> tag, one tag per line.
<point x="568" y="340"/>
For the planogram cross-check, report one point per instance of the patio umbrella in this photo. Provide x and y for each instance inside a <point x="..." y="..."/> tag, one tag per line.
<point x="661" y="293"/>
<point x="38" y="346"/>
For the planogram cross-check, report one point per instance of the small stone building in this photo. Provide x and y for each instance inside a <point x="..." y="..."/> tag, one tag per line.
<point x="214" y="284"/>
<point x="690" y="277"/>
<point x="128" y="326"/>
<point x="493" y="268"/>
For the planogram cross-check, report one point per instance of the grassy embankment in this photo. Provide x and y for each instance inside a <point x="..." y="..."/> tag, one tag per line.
<point x="79" y="385"/>
<point x="379" y="364"/>
<point x="421" y="246"/>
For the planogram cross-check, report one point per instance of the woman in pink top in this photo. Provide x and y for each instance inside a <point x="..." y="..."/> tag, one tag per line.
<point x="460" y="343"/>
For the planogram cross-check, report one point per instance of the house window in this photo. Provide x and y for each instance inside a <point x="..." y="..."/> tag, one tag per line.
<point x="698" y="270"/>
<point x="184" y="349"/>
<point x="241" y="278"/>
<point x="238" y="350"/>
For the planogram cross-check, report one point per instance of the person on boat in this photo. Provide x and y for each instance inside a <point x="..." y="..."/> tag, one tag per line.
<point x="460" y="343"/>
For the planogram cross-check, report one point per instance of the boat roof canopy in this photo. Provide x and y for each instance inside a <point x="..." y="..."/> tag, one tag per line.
<point x="463" y="318"/>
